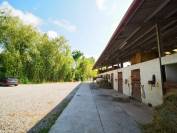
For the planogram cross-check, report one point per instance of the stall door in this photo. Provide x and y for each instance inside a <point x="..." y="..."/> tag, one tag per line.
<point x="112" y="80"/>
<point x="120" y="82"/>
<point x="136" y="84"/>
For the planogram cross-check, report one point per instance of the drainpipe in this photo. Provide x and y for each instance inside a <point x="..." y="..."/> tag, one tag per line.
<point x="159" y="44"/>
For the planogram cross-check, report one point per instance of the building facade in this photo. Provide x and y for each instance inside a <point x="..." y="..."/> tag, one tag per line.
<point x="146" y="38"/>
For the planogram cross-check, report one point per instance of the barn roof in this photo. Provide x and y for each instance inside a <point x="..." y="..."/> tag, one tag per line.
<point x="136" y="31"/>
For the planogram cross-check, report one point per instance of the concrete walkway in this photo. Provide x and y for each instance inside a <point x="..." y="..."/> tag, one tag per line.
<point x="93" y="111"/>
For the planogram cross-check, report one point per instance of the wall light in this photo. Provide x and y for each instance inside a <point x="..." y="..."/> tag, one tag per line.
<point x="167" y="53"/>
<point x="175" y="50"/>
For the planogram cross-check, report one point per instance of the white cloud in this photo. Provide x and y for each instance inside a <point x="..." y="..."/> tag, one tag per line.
<point x="26" y="17"/>
<point x="52" y="34"/>
<point x="110" y="7"/>
<point x="65" y="24"/>
<point x="101" y="4"/>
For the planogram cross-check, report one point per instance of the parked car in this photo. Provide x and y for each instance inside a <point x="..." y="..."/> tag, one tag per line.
<point x="8" y="81"/>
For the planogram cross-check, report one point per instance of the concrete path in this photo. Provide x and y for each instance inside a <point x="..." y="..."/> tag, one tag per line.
<point x="80" y="116"/>
<point x="93" y="111"/>
<point x="138" y="111"/>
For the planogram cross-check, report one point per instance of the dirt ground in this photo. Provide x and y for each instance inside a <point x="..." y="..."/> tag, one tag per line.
<point x="24" y="106"/>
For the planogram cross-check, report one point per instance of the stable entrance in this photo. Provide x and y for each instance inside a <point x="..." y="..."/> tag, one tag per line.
<point x="120" y="82"/>
<point x="112" y="80"/>
<point x="136" y="84"/>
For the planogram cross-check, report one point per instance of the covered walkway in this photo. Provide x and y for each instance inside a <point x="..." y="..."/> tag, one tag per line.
<point x="94" y="111"/>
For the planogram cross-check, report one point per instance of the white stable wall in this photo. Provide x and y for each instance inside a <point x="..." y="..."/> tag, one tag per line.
<point x="149" y="94"/>
<point x="115" y="86"/>
<point x="169" y="59"/>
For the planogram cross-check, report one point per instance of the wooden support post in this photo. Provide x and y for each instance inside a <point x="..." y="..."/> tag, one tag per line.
<point x="118" y="66"/>
<point x="121" y="65"/>
<point x="106" y="68"/>
<point x="159" y="45"/>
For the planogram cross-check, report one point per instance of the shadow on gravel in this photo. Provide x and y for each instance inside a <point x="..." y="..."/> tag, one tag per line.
<point x="44" y="125"/>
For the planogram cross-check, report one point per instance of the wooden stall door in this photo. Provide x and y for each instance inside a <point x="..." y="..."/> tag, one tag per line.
<point x="112" y="80"/>
<point x="136" y="84"/>
<point x="120" y="83"/>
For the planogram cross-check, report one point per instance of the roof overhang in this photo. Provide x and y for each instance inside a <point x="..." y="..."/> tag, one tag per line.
<point x="136" y="30"/>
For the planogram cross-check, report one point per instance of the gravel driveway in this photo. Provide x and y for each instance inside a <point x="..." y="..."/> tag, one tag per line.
<point x="23" y="106"/>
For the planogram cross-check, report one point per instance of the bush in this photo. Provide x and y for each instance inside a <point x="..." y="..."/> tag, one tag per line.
<point x="165" y="116"/>
<point x="24" y="80"/>
<point x="104" y="83"/>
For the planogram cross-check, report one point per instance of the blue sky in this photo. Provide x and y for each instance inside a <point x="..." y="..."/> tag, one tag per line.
<point x="86" y="24"/>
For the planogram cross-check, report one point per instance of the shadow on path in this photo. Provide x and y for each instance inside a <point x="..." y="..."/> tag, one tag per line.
<point x="44" y="125"/>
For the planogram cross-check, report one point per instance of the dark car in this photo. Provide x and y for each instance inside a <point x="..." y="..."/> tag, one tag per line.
<point x="8" y="81"/>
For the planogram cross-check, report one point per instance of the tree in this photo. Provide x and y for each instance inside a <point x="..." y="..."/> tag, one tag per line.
<point x="76" y="55"/>
<point x="84" y="69"/>
<point x="32" y="56"/>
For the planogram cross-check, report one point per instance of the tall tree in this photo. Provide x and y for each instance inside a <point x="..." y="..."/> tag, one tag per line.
<point x="32" y="56"/>
<point x="77" y="54"/>
<point x="84" y="70"/>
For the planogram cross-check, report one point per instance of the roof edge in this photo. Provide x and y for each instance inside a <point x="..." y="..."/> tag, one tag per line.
<point x="131" y="10"/>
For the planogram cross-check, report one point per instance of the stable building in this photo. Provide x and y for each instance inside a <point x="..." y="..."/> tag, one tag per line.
<point x="140" y="60"/>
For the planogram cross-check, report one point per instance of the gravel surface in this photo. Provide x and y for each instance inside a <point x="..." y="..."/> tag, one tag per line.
<point x="23" y="106"/>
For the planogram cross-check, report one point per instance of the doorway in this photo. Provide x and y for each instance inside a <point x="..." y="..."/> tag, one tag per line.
<point x="136" y="84"/>
<point x="120" y="82"/>
<point x="112" y="80"/>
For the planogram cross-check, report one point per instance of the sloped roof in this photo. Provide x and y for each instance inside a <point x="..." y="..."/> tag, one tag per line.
<point x="137" y="26"/>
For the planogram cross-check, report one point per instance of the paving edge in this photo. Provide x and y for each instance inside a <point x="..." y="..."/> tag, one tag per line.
<point x="48" y="121"/>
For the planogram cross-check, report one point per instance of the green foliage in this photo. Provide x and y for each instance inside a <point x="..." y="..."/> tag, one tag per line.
<point x="32" y="57"/>
<point x="84" y="69"/>
<point x="165" y="116"/>
<point x="77" y="54"/>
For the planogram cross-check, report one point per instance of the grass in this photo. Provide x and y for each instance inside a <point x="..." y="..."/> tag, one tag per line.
<point x="165" y="116"/>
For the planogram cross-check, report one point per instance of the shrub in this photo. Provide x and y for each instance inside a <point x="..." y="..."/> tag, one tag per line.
<point x="104" y="83"/>
<point x="165" y="116"/>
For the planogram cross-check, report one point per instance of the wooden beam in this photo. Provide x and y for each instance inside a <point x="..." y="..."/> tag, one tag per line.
<point x="159" y="44"/>
<point x="113" y="47"/>
<point x="136" y="49"/>
<point x="113" y="55"/>
<point x="163" y="4"/>
<point x="136" y="33"/>
<point x="135" y="40"/>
